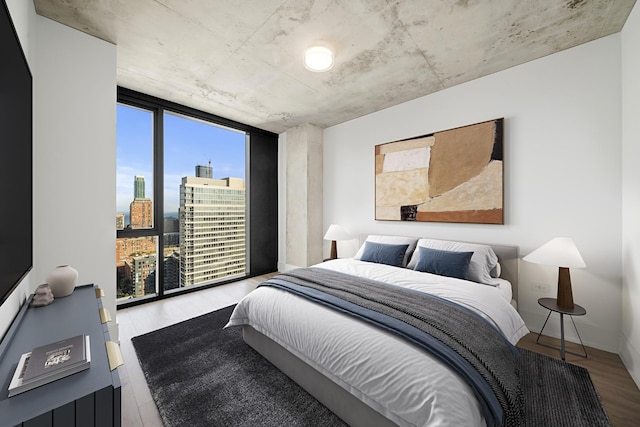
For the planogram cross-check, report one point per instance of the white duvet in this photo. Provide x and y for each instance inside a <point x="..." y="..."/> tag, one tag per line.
<point x="397" y="379"/>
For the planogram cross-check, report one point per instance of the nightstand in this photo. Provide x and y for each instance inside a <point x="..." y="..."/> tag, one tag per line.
<point x="577" y="310"/>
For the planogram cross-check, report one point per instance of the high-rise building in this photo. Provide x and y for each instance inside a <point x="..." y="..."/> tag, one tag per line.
<point x="128" y="247"/>
<point x="119" y="221"/>
<point x="141" y="208"/>
<point x="212" y="229"/>
<point x="138" y="187"/>
<point x="204" y="171"/>
<point x="141" y="270"/>
<point x="141" y="212"/>
<point x="172" y="271"/>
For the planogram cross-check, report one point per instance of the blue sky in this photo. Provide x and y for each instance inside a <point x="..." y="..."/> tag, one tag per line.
<point x="187" y="143"/>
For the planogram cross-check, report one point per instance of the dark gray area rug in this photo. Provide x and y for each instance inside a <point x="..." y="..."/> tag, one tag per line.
<point x="558" y="393"/>
<point x="202" y="375"/>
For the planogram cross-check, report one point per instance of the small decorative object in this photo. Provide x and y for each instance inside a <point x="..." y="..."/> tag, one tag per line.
<point x="62" y="280"/>
<point x="42" y="296"/>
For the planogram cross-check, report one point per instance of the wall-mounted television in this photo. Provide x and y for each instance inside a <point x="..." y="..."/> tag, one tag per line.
<point x="16" y="215"/>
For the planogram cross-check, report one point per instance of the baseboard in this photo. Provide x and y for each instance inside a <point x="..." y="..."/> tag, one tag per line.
<point x="591" y="334"/>
<point x="630" y="358"/>
<point x="286" y="267"/>
<point x="535" y="320"/>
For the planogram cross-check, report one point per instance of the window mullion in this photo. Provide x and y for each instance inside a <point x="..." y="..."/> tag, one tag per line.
<point x="158" y="171"/>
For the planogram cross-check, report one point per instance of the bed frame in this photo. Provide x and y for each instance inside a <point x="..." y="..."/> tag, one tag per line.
<point x="350" y="409"/>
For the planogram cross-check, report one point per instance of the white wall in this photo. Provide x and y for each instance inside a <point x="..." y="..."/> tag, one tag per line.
<point x="562" y="173"/>
<point x="74" y="158"/>
<point x="630" y="342"/>
<point x="74" y="94"/>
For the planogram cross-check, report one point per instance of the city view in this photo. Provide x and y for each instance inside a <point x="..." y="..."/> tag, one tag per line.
<point x="203" y="224"/>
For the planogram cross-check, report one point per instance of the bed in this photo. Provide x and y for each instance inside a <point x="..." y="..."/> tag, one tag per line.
<point x="364" y="373"/>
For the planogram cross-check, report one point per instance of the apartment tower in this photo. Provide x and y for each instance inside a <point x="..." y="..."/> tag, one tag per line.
<point x="141" y="208"/>
<point x="212" y="228"/>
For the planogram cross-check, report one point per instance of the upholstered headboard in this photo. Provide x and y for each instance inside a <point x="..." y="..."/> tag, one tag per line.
<point x="508" y="256"/>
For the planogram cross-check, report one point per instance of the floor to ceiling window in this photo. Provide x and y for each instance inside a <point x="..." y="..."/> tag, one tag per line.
<point x="181" y="201"/>
<point x="204" y="202"/>
<point x="135" y="254"/>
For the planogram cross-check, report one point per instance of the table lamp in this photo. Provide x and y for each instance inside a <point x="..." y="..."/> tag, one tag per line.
<point x="335" y="233"/>
<point x="561" y="252"/>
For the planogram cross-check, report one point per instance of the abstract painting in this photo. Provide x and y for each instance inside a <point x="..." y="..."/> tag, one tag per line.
<point x="454" y="175"/>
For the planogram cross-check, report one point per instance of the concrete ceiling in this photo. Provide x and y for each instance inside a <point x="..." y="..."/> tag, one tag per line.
<point x="242" y="59"/>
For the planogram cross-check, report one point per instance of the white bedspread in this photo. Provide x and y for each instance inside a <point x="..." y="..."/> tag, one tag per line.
<point x="395" y="378"/>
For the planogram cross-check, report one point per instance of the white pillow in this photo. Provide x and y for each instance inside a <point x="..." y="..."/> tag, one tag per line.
<point x="483" y="260"/>
<point x="497" y="271"/>
<point x="391" y="240"/>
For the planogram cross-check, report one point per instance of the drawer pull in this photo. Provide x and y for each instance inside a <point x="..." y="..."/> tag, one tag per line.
<point x="105" y="316"/>
<point x="114" y="355"/>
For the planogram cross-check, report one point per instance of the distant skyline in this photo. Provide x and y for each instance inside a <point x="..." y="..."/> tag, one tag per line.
<point x="187" y="143"/>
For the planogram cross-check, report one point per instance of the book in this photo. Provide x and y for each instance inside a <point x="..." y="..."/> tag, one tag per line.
<point x="58" y="356"/>
<point x="51" y="362"/>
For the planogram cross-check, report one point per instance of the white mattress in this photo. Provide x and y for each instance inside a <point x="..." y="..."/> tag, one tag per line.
<point x="505" y="290"/>
<point x="396" y="378"/>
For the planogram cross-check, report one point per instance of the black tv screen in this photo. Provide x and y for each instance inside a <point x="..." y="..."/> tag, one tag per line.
<point x="16" y="216"/>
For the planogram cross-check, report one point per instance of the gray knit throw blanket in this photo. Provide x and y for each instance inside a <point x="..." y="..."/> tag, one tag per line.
<point x="476" y="343"/>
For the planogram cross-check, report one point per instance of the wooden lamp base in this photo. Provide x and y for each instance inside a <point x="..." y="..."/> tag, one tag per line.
<point x="334" y="250"/>
<point x="565" y="295"/>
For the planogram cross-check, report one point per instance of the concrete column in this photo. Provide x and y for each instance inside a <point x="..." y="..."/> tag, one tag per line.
<point x="304" y="195"/>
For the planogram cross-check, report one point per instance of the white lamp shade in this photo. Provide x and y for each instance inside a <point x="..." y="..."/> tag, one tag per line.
<point x="318" y="58"/>
<point x="335" y="232"/>
<point x="561" y="252"/>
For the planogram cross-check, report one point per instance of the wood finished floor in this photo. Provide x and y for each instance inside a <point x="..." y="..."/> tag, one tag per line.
<point x="617" y="390"/>
<point x="138" y="408"/>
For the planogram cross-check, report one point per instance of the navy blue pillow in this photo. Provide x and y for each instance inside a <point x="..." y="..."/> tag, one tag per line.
<point x="444" y="263"/>
<point x="382" y="253"/>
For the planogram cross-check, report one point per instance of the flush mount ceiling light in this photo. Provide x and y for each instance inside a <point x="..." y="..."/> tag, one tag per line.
<point x="318" y="58"/>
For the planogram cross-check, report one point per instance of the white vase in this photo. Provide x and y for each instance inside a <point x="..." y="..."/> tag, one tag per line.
<point x="62" y="280"/>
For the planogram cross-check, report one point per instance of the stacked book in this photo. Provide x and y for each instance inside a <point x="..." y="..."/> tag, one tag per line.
<point x="51" y="362"/>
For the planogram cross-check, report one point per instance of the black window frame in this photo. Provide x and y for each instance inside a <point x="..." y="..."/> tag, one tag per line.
<point x="261" y="185"/>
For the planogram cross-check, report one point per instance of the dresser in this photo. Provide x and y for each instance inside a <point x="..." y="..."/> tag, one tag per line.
<point x="88" y="398"/>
